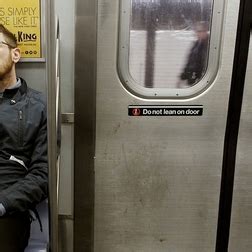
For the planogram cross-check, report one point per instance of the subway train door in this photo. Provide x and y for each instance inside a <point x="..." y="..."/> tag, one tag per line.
<point x="149" y="147"/>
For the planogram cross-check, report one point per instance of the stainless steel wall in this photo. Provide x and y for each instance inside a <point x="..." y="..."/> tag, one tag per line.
<point x="65" y="10"/>
<point x="34" y="74"/>
<point x="157" y="180"/>
<point x="84" y="127"/>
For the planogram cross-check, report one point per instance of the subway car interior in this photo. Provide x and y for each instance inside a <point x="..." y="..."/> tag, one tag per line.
<point x="149" y="122"/>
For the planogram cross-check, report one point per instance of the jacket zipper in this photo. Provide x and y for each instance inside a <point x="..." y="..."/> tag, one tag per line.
<point x="20" y="116"/>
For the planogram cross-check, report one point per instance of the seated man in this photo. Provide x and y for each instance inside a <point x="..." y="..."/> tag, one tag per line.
<point x="23" y="149"/>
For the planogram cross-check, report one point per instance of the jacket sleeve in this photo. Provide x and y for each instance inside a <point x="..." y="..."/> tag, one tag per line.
<point x="187" y="71"/>
<point x="33" y="188"/>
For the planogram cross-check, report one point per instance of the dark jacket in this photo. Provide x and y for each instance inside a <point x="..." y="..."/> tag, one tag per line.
<point x="196" y="63"/>
<point x="23" y="149"/>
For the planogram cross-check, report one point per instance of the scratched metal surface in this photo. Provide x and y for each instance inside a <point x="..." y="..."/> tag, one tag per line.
<point x="157" y="179"/>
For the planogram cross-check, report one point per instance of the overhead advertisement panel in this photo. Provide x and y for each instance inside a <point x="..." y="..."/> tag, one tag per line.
<point x="23" y="18"/>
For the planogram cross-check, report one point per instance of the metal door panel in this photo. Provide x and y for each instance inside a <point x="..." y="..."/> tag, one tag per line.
<point x="241" y="221"/>
<point x="66" y="10"/>
<point x="157" y="179"/>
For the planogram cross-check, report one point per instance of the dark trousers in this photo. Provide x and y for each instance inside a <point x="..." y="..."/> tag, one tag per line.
<point x="14" y="232"/>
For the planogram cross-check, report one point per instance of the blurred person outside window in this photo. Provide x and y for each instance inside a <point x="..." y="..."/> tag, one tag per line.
<point x="197" y="59"/>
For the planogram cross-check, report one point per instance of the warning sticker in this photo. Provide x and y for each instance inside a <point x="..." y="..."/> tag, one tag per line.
<point x="165" y="110"/>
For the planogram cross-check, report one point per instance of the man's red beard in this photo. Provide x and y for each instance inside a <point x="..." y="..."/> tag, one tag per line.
<point x="5" y="68"/>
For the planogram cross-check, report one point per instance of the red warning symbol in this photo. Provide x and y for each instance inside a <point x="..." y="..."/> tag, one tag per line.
<point x="136" y="111"/>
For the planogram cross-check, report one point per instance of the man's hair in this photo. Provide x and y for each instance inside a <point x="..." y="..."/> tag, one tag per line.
<point x="8" y="36"/>
<point x="201" y="26"/>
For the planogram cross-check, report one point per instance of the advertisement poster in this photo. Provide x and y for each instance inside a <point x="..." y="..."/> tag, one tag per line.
<point x="22" y="17"/>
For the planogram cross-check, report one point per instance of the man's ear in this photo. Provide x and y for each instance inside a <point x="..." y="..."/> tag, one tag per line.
<point x="16" y="54"/>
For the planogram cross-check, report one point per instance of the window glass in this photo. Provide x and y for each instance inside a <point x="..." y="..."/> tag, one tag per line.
<point x="169" y="42"/>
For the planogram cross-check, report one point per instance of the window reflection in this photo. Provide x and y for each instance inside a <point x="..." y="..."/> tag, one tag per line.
<point x="165" y="42"/>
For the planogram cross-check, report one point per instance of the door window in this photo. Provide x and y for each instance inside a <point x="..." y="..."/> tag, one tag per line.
<point x="166" y="47"/>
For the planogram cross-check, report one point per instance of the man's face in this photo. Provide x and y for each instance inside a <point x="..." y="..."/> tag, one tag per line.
<point x="201" y="34"/>
<point x="6" y="62"/>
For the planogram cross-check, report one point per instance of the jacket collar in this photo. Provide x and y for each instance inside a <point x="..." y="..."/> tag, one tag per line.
<point x="16" y="94"/>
